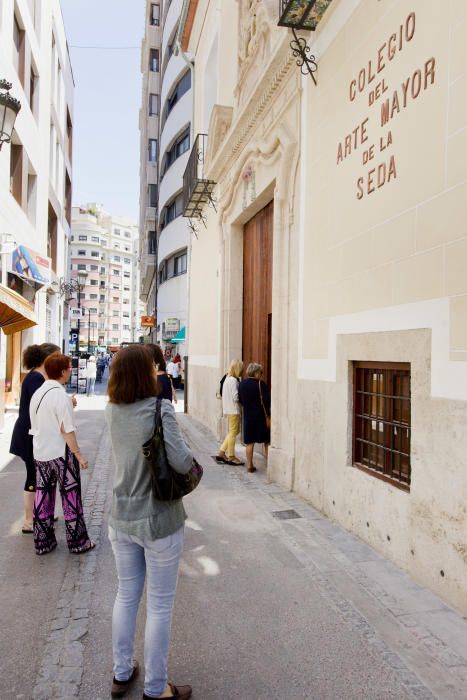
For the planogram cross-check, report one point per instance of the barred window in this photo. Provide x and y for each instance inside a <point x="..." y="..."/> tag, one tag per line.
<point x="382" y="421"/>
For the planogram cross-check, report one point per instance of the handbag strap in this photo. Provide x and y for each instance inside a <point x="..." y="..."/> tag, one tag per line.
<point x="45" y="394"/>
<point x="261" y="399"/>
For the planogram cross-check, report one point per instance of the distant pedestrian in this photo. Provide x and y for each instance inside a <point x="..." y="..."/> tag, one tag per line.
<point x="254" y="396"/>
<point x="21" y="442"/>
<point x="91" y="373"/>
<point x="177" y="371"/>
<point x="231" y="409"/>
<point x="100" y="365"/>
<point x="146" y="534"/>
<point x="165" y="382"/>
<point x="57" y="458"/>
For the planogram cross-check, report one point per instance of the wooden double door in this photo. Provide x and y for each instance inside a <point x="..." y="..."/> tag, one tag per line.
<point x="257" y="290"/>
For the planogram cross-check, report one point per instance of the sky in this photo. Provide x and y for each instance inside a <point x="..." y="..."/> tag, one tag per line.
<point x="107" y="100"/>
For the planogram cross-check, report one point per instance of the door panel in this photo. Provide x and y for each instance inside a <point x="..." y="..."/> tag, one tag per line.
<point x="257" y="290"/>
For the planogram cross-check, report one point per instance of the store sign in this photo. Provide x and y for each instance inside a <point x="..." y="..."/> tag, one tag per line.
<point x="76" y="313"/>
<point x="30" y="265"/>
<point x="386" y="103"/>
<point x="148" y="322"/>
<point x="172" y="325"/>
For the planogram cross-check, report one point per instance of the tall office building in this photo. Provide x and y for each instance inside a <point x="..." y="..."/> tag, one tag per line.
<point x="35" y="182"/>
<point x="165" y="124"/>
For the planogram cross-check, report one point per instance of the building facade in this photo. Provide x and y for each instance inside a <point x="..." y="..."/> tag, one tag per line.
<point x="35" y="176"/>
<point x="104" y="252"/>
<point x="149" y="172"/>
<point x="337" y="259"/>
<point x="165" y="145"/>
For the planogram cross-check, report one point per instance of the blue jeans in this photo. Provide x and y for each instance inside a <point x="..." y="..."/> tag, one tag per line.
<point x="160" y="560"/>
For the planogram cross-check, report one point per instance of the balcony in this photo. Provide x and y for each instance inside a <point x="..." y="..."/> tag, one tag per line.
<point x="197" y="191"/>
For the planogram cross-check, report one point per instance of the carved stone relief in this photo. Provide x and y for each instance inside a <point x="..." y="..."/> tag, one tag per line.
<point x="254" y="44"/>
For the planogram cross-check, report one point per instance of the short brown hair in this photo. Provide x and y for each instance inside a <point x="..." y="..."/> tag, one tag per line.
<point x="132" y="375"/>
<point x="158" y="356"/>
<point x="34" y="355"/>
<point x="55" y="364"/>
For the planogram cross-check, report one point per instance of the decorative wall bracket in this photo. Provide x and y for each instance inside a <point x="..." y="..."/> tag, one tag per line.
<point x="305" y="59"/>
<point x="302" y="15"/>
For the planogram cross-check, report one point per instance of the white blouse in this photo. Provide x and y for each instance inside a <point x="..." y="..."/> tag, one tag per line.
<point x="50" y="407"/>
<point x="230" y="404"/>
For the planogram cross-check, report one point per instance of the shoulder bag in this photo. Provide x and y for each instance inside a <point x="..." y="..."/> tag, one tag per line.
<point x="166" y="483"/>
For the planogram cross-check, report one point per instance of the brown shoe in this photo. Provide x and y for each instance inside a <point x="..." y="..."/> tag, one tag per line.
<point x="119" y="688"/>
<point x="181" y="692"/>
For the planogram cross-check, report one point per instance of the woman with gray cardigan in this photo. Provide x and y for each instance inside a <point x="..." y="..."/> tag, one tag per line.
<point x="146" y="534"/>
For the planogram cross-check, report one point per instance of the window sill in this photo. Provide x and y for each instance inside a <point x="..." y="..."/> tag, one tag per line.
<point x="383" y="477"/>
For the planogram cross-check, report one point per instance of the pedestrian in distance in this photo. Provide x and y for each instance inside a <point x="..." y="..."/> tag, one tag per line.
<point x="167" y="390"/>
<point x="231" y="409"/>
<point x="100" y="365"/>
<point x="177" y="371"/>
<point x="146" y="534"/>
<point x="57" y="458"/>
<point x="254" y="396"/>
<point x="91" y="373"/>
<point x="21" y="442"/>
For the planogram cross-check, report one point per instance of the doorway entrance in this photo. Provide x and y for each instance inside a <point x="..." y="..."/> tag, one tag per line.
<point x="257" y="290"/>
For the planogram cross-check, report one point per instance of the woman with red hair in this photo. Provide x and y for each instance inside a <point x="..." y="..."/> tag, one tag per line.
<point x="57" y="458"/>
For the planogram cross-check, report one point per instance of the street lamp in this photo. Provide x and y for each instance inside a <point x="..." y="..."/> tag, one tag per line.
<point x="67" y="289"/>
<point x="299" y="15"/>
<point x="9" y="108"/>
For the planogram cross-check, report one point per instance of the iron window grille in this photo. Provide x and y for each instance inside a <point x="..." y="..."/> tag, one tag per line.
<point x="382" y="421"/>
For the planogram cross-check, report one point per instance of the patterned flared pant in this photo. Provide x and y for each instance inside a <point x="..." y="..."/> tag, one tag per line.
<point x="65" y="470"/>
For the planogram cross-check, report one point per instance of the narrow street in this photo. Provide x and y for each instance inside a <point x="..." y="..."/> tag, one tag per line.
<point x="274" y="600"/>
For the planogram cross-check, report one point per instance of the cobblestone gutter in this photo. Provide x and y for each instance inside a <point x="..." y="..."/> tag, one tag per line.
<point x="61" y="668"/>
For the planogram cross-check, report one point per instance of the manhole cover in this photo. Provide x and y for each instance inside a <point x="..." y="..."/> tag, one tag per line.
<point x="286" y="514"/>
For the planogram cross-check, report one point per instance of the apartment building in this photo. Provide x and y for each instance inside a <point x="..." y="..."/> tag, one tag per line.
<point x="149" y="171"/>
<point x="165" y="145"/>
<point x="35" y="179"/>
<point x="104" y="254"/>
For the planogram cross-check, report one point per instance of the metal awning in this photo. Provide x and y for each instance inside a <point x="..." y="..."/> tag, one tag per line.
<point x="180" y="337"/>
<point x="15" y="313"/>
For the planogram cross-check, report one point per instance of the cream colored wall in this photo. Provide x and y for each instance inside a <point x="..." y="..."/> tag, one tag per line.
<point x="352" y="279"/>
<point x="406" y="241"/>
<point x="426" y="527"/>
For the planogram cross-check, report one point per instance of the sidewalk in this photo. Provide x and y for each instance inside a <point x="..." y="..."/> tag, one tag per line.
<point x="274" y="601"/>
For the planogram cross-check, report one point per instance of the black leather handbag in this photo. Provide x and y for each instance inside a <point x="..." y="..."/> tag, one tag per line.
<point x="166" y="483"/>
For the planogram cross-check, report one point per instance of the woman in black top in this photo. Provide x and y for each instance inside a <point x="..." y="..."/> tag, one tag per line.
<point x="21" y="442"/>
<point x="162" y="376"/>
<point x="256" y="401"/>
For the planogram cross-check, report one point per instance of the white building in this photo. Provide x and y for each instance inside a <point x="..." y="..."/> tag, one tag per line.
<point x="166" y="144"/>
<point x="105" y="251"/>
<point x="35" y="172"/>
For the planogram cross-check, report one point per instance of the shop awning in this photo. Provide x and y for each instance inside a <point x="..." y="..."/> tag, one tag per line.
<point x="180" y="337"/>
<point x="15" y="313"/>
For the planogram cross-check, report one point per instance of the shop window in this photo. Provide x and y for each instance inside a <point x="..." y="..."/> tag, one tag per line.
<point x="382" y="421"/>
